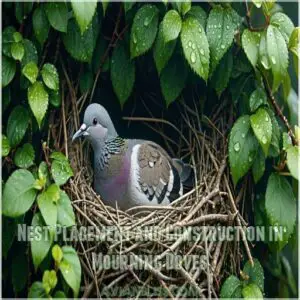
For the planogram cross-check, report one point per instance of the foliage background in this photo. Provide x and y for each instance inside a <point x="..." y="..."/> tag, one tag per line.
<point x="126" y="55"/>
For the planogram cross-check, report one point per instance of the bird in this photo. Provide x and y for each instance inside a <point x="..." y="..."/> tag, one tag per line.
<point x="130" y="172"/>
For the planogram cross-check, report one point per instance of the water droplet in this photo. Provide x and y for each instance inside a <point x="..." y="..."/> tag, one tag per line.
<point x="250" y="158"/>
<point x="264" y="139"/>
<point x="190" y="44"/>
<point x="227" y="27"/>
<point x="202" y="51"/>
<point x="193" y="57"/>
<point x="243" y="135"/>
<point x="266" y="118"/>
<point x="237" y="147"/>
<point x="215" y="26"/>
<point x="219" y="36"/>
<point x="134" y="38"/>
<point x="273" y="60"/>
<point x="223" y="46"/>
<point x="146" y="22"/>
<point x="200" y="30"/>
<point x="194" y="46"/>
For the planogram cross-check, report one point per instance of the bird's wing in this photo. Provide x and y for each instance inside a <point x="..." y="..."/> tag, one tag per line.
<point x="157" y="177"/>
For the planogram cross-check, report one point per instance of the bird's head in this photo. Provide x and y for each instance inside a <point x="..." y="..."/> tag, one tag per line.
<point x="97" y="126"/>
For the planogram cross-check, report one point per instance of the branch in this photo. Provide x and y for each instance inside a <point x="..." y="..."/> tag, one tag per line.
<point x="277" y="109"/>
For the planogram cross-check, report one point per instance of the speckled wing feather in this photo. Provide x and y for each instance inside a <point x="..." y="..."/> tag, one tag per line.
<point x="157" y="176"/>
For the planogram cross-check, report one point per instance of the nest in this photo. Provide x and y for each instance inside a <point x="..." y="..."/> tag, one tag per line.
<point x="210" y="203"/>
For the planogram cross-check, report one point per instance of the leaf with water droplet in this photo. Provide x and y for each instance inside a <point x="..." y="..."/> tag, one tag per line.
<point x="284" y="24"/>
<point x="162" y="51"/>
<point x="17" y="51"/>
<point x="250" y="42"/>
<point x="242" y="145"/>
<point x="262" y="126"/>
<point x="81" y="46"/>
<point x="218" y="46"/>
<point x="50" y="76"/>
<point x="195" y="46"/>
<point x="8" y="70"/>
<point x="17" y="125"/>
<point x="31" y="71"/>
<point x="24" y="156"/>
<point x="65" y="213"/>
<point x="277" y="54"/>
<point x="5" y="146"/>
<point x="221" y="75"/>
<point x="231" y="288"/>
<point x="71" y="269"/>
<point x="171" y="25"/>
<point x="294" y="47"/>
<point x="60" y="168"/>
<point x="172" y="79"/>
<point x="30" y="54"/>
<point x="40" y="24"/>
<point x="280" y="206"/>
<point x="38" y="100"/>
<point x="122" y="85"/>
<point x="257" y="98"/>
<point x="57" y="13"/>
<point x="252" y="291"/>
<point x="142" y="36"/>
<point x="198" y="13"/>
<point x="293" y="158"/>
<point x="84" y="12"/>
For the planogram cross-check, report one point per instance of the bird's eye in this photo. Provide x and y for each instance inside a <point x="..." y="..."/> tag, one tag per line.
<point x="95" y="121"/>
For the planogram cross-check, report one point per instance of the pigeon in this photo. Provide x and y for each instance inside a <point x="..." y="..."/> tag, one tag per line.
<point x="130" y="172"/>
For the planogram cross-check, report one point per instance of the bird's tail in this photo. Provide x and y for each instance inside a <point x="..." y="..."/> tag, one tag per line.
<point x="185" y="171"/>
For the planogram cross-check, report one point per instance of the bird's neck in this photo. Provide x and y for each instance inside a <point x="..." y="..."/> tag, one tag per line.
<point x="105" y="149"/>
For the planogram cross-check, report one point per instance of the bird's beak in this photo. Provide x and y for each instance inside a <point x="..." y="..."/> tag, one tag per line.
<point x="81" y="132"/>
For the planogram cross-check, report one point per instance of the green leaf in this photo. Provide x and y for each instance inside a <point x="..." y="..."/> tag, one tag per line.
<point x="252" y="291"/>
<point x="57" y="253"/>
<point x="231" y="288"/>
<point x="24" y="156"/>
<point x="84" y="12"/>
<point x="5" y="146"/>
<point x="8" y="70"/>
<point x="31" y="71"/>
<point x="22" y="9"/>
<point x="144" y="29"/>
<point x="41" y="243"/>
<point x="17" y="37"/>
<point x="257" y="98"/>
<point x="17" y="125"/>
<point x="55" y="98"/>
<point x="19" y="271"/>
<point x="286" y="141"/>
<point x="30" y="54"/>
<point x="37" y="291"/>
<point x="162" y="51"/>
<point x="9" y="228"/>
<point x="277" y="54"/>
<point x="198" y="13"/>
<point x="185" y="6"/>
<point x="274" y="150"/>
<point x="258" y="168"/>
<point x="284" y="24"/>
<point x="99" y="55"/>
<point x="195" y="47"/>
<point x="57" y="14"/>
<point x="263" y="51"/>
<point x="49" y="280"/>
<point x="171" y="25"/>
<point x="172" y="79"/>
<point x="262" y="126"/>
<point x="255" y="273"/>
<point x="220" y="33"/>
<point x="221" y="75"/>
<point x="128" y="6"/>
<point x="81" y="46"/>
<point x="47" y="204"/>
<point x="50" y="76"/>
<point x="250" y="42"/>
<point x="71" y="269"/>
<point x="294" y="47"/>
<point x="40" y="24"/>
<point x="17" y="51"/>
<point x="38" y="100"/>
<point x="293" y="157"/>
<point x="60" y="168"/>
<point x="289" y="274"/>
<point x="66" y="216"/>
<point x="280" y="207"/>
<point x="242" y="148"/>
<point x="7" y="40"/>
<point x="18" y="193"/>
<point x="120" y="65"/>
